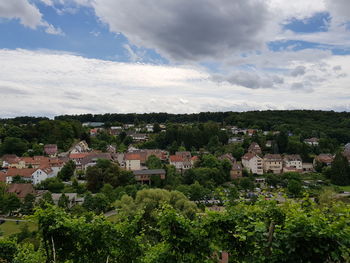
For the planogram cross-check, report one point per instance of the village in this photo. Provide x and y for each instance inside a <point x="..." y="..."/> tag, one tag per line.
<point x="24" y="174"/>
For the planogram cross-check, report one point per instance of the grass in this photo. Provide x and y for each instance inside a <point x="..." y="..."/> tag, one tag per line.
<point x="10" y="227"/>
<point x="345" y="188"/>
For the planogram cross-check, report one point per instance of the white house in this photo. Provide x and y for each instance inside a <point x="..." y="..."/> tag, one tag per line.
<point x="293" y="161"/>
<point x="253" y="163"/>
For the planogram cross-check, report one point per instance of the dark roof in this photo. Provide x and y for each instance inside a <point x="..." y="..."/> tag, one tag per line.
<point x="21" y="190"/>
<point x="149" y="172"/>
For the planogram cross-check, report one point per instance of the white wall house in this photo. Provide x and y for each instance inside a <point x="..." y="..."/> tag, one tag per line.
<point x="253" y="163"/>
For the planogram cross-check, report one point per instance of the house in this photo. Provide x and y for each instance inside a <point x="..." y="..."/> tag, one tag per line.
<point x="95" y="131"/>
<point x="292" y="163"/>
<point x="273" y="163"/>
<point x="93" y="124"/>
<point x="268" y="144"/>
<point x="312" y="141"/>
<point x="236" y="171"/>
<point x="42" y="174"/>
<point x="235" y="140"/>
<point x="132" y="161"/>
<point x="228" y="157"/>
<point x="161" y="154"/>
<point x="254" y="148"/>
<point x="323" y="158"/>
<point x="145" y="176"/>
<point x="80" y="147"/>
<point x="149" y="127"/>
<point x="139" y="137"/>
<point x="25" y="174"/>
<point x="308" y="167"/>
<point x="73" y="199"/>
<point x="253" y="163"/>
<point x="115" y="130"/>
<point x="91" y="159"/>
<point x="250" y="132"/>
<point x="50" y="149"/>
<point x="77" y="159"/>
<point x="347" y="148"/>
<point x="21" y="190"/>
<point x="181" y="162"/>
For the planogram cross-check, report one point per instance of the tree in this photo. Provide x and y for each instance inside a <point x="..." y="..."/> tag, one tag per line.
<point x="46" y="200"/>
<point x="28" y="204"/>
<point x="67" y="171"/>
<point x="54" y="185"/>
<point x="294" y="187"/>
<point x="340" y="171"/>
<point x="11" y="203"/>
<point x="106" y="172"/>
<point x="153" y="162"/>
<point x="149" y="200"/>
<point x="156" y="128"/>
<point x="13" y="145"/>
<point x="63" y="201"/>
<point x="8" y="249"/>
<point x="246" y="183"/>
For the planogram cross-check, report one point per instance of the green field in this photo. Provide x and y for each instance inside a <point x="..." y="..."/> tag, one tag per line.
<point x="10" y="227"/>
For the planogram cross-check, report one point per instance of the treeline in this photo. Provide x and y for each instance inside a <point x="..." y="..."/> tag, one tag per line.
<point x="309" y="123"/>
<point x="18" y="138"/>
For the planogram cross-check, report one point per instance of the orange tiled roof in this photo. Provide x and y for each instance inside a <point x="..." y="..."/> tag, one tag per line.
<point x="25" y="172"/>
<point x="176" y="158"/>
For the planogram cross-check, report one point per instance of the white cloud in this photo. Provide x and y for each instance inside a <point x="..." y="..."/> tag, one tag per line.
<point x="28" y="14"/>
<point x="59" y="83"/>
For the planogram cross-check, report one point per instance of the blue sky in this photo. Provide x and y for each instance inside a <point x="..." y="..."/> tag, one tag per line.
<point x="241" y="58"/>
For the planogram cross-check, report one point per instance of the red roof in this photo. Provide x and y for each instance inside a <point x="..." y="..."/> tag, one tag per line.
<point x="132" y="156"/>
<point x="176" y="158"/>
<point x="25" y="172"/>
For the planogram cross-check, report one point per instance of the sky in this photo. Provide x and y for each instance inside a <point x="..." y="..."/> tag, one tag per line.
<point x="177" y="56"/>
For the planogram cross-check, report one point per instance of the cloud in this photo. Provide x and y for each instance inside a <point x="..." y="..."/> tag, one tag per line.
<point x="340" y="9"/>
<point x="251" y="80"/>
<point x="298" y="71"/>
<point x="53" y="83"/>
<point x="188" y="30"/>
<point x="27" y="13"/>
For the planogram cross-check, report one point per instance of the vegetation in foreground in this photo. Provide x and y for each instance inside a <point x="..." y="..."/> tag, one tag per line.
<point x="162" y="226"/>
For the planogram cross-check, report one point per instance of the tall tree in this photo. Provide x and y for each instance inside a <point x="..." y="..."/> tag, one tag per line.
<point x="340" y="171"/>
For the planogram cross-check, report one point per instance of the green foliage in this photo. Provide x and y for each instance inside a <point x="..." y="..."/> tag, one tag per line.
<point x="54" y="185"/>
<point x="13" y="145"/>
<point x="340" y="171"/>
<point x="149" y="200"/>
<point x="63" y="201"/>
<point x="98" y="203"/>
<point x="153" y="162"/>
<point x="67" y="171"/>
<point x="106" y="172"/>
<point x="8" y="249"/>
<point x="27" y="206"/>
<point x="294" y="187"/>
<point x="26" y="253"/>
<point x="9" y="202"/>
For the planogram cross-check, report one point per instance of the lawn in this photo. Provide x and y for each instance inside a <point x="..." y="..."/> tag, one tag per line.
<point x="345" y="188"/>
<point x="10" y="227"/>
